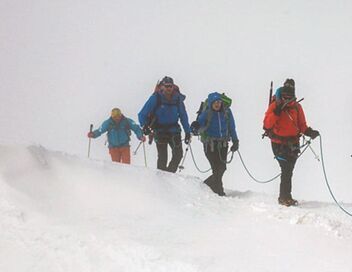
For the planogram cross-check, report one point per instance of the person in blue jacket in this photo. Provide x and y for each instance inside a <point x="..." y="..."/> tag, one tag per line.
<point x="119" y="129"/>
<point x="217" y="127"/>
<point x="160" y="116"/>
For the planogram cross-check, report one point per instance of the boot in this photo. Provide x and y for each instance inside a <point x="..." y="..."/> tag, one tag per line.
<point x="287" y="201"/>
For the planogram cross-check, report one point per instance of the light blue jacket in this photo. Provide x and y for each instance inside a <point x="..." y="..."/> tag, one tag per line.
<point x="119" y="133"/>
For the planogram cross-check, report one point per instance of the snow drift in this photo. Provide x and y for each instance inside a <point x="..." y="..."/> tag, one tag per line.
<point x="63" y="213"/>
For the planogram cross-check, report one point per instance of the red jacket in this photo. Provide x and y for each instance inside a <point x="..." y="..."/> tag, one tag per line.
<point x="290" y="123"/>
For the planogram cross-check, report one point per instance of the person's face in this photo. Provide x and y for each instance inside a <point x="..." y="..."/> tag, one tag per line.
<point x="286" y="97"/>
<point x="217" y="105"/>
<point x="116" y="118"/>
<point x="168" y="87"/>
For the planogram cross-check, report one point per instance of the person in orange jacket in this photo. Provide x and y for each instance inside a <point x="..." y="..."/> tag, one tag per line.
<point x="284" y="123"/>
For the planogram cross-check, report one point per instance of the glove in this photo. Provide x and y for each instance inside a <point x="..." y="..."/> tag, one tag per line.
<point x="146" y="130"/>
<point x="311" y="133"/>
<point x="142" y="139"/>
<point x="278" y="109"/>
<point x="195" y="126"/>
<point x="235" y="144"/>
<point x="188" y="138"/>
<point x="90" y="134"/>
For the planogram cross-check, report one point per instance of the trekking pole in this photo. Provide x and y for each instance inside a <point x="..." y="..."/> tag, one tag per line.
<point x="139" y="145"/>
<point x="181" y="167"/>
<point x="90" y="130"/>
<point x="145" y="155"/>
<point x="315" y="154"/>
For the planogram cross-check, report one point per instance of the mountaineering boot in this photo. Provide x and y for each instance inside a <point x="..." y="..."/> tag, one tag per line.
<point x="287" y="202"/>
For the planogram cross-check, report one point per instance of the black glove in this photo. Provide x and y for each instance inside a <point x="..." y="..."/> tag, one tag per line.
<point x="195" y="126"/>
<point x="188" y="138"/>
<point x="278" y="109"/>
<point x="235" y="144"/>
<point x="311" y="133"/>
<point x="146" y="130"/>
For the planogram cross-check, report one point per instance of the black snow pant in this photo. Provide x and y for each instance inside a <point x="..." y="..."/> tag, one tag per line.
<point x="287" y="156"/>
<point x="216" y="153"/>
<point x="163" y="140"/>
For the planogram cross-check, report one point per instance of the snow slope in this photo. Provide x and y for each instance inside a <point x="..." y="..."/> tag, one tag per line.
<point x="59" y="212"/>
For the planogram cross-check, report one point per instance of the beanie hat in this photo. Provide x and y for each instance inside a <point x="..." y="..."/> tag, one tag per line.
<point x="115" y="112"/>
<point x="167" y="80"/>
<point x="289" y="82"/>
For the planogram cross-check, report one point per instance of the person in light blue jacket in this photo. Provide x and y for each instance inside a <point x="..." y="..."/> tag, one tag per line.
<point x="217" y="127"/>
<point x="160" y="116"/>
<point x="118" y="128"/>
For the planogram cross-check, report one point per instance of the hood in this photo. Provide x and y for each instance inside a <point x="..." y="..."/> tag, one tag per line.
<point x="212" y="97"/>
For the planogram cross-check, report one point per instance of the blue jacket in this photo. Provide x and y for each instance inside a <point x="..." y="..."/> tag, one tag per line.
<point x="221" y="123"/>
<point x="167" y="113"/>
<point x="118" y="133"/>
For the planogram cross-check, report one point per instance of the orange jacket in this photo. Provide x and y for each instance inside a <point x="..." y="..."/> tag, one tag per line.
<point x="290" y="123"/>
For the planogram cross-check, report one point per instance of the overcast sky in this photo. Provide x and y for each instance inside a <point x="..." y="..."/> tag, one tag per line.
<point x="65" y="64"/>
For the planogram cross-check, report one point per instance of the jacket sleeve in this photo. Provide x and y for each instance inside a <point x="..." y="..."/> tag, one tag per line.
<point x="302" y="124"/>
<point x="146" y="110"/>
<point x="135" y="128"/>
<point x="202" y="118"/>
<point x="102" y="129"/>
<point x="232" y="127"/>
<point x="184" y="117"/>
<point x="270" y="117"/>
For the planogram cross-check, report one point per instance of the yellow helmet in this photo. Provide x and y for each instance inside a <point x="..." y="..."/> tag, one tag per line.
<point x="115" y="113"/>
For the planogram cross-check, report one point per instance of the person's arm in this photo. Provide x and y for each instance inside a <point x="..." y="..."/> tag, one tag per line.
<point x="302" y="124"/>
<point x="270" y="117"/>
<point x="148" y="107"/>
<point x="184" y="117"/>
<point x="232" y="127"/>
<point x="135" y="128"/>
<point x="102" y="129"/>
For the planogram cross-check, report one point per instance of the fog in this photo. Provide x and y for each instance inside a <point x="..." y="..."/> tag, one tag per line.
<point x="65" y="64"/>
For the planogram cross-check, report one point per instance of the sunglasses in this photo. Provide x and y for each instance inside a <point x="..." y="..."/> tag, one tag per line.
<point x="168" y="85"/>
<point x="289" y="85"/>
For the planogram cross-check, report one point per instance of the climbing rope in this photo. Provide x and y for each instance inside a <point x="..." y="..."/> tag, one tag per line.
<point x="249" y="173"/>
<point x="195" y="163"/>
<point x="327" y="181"/>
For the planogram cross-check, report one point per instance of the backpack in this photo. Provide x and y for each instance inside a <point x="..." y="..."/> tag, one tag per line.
<point x="204" y="106"/>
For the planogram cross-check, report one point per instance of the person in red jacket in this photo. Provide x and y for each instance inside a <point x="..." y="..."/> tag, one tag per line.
<point x="285" y="122"/>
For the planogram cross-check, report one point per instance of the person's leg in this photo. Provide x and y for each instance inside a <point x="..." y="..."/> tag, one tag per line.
<point x="125" y="154"/>
<point x="115" y="154"/>
<point x="161" y="146"/>
<point x="220" y="167"/>
<point x="177" y="152"/>
<point x="212" y="155"/>
<point x="287" y="160"/>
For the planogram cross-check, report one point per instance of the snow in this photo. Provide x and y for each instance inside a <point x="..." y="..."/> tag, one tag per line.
<point x="60" y="212"/>
<point x="66" y="63"/>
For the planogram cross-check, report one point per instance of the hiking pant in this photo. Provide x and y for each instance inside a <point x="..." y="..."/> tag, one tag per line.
<point x="216" y="154"/>
<point x="120" y="154"/>
<point x="163" y="140"/>
<point x="287" y="156"/>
